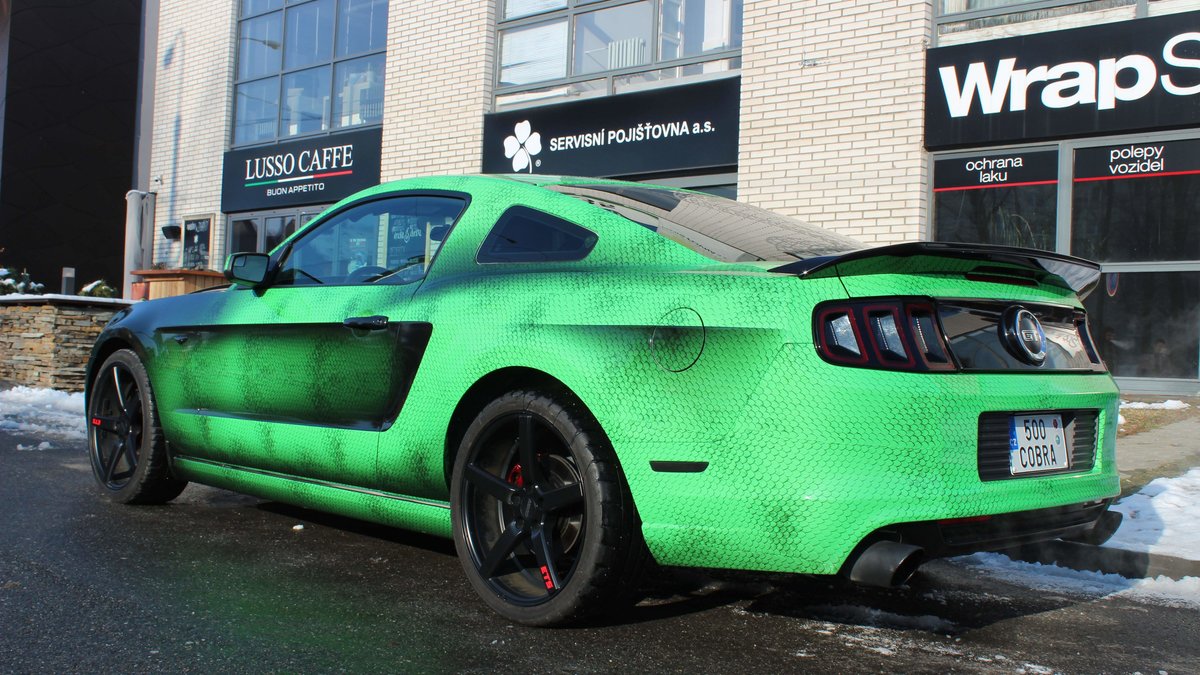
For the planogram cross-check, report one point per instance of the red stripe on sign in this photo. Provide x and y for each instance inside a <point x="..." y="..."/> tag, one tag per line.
<point x="997" y="185"/>
<point x="335" y="173"/>
<point x="1138" y="175"/>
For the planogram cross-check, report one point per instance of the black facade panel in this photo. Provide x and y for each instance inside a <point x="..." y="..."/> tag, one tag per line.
<point x="71" y="96"/>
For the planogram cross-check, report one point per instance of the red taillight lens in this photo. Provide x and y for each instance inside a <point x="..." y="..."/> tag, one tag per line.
<point x="893" y="334"/>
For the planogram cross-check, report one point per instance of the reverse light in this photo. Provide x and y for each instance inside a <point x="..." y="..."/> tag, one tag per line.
<point x="893" y="334"/>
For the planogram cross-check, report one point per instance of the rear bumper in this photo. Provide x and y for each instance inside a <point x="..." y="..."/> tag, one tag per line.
<point x="958" y="536"/>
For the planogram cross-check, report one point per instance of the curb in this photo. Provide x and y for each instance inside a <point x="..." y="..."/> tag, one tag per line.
<point x="1088" y="558"/>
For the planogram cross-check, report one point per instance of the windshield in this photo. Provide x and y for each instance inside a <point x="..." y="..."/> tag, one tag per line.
<point x="716" y="227"/>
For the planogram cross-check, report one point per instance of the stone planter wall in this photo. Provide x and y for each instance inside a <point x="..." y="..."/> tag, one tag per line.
<point x="45" y="341"/>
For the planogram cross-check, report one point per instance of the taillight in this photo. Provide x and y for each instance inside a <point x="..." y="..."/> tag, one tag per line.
<point x="1085" y="336"/>
<point x="892" y="334"/>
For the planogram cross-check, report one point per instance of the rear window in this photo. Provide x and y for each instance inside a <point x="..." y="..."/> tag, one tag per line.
<point x="722" y="229"/>
<point x="523" y="234"/>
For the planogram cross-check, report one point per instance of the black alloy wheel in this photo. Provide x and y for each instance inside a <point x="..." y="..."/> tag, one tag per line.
<point x="543" y="521"/>
<point x="125" y="443"/>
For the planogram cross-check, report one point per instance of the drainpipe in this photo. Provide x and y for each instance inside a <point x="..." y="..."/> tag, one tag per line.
<point x="139" y="215"/>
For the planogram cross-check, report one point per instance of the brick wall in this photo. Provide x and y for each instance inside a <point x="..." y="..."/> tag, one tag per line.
<point x="47" y="342"/>
<point x="439" y="84"/>
<point x="193" y="105"/>
<point x="832" y="114"/>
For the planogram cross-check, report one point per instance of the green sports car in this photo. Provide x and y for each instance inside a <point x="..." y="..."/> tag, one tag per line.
<point x="573" y="377"/>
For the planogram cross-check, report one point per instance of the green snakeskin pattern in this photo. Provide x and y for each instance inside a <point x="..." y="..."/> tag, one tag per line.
<point x="679" y="359"/>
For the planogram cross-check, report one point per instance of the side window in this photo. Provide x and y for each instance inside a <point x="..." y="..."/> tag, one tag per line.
<point x="391" y="240"/>
<point x="525" y="235"/>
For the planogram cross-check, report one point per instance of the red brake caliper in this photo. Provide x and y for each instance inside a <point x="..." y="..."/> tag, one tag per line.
<point x="516" y="478"/>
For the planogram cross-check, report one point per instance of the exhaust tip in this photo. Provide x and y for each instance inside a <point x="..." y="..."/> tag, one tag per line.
<point x="887" y="564"/>
<point x="1102" y="530"/>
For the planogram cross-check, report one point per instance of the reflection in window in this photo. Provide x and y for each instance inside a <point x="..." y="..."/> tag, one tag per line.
<point x="243" y="236"/>
<point x="1147" y="324"/>
<point x="358" y="92"/>
<point x="956" y="6"/>
<point x="611" y="39"/>
<point x="1143" y="217"/>
<point x="257" y="109"/>
<point x="260" y="46"/>
<point x="1003" y="198"/>
<point x="694" y="27"/>
<point x="309" y="34"/>
<point x="385" y="241"/>
<point x="519" y="8"/>
<point x="362" y="26"/>
<point x="533" y="53"/>
<point x="305" y="102"/>
<point x="1006" y="216"/>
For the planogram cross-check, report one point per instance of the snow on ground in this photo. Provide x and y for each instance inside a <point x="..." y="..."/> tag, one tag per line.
<point x="44" y="413"/>
<point x="1170" y="404"/>
<point x="1052" y="578"/>
<point x="1162" y="518"/>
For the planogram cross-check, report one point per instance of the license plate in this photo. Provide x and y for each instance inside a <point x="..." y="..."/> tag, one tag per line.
<point x="1037" y="443"/>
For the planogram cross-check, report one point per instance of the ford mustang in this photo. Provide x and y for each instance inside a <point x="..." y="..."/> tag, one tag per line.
<point x="573" y="377"/>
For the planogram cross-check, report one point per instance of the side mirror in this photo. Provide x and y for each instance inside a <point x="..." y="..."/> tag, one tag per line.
<point x="247" y="269"/>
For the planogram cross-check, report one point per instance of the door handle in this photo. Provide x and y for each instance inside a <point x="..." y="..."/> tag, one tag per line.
<point x="376" y="322"/>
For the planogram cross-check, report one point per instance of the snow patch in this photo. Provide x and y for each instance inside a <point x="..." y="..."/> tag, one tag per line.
<point x="44" y="445"/>
<point x="1161" y="518"/>
<point x="43" y="412"/>
<point x="869" y="616"/>
<point x="1159" y="590"/>
<point x="1171" y="404"/>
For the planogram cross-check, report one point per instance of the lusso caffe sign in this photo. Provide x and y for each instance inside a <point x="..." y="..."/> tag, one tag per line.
<point x="1133" y="75"/>
<point x="313" y="171"/>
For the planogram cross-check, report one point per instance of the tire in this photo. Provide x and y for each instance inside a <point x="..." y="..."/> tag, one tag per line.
<point x="125" y="442"/>
<point x="543" y="520"/>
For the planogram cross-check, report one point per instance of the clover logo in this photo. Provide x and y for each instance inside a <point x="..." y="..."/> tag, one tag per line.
<point x="522" y="145"/>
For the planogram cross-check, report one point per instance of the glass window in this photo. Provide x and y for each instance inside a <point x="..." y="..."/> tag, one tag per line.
<point x="546" y="47"/>
<point x="1147" y="324"/>
<point x="252" y="7"/>
<point x="362" y="26"/>
<point x="518" y="8"/>
<point x="694" y="27"/>
<point x="308" y="67"/>
<point x="196" y="236"/>
<point x="305" y="102"/>
<point x="720" y="229"/>
<point x="243" y="235"/>
<point x="386" y="241"/>
<point x="260" y="45"/>
<point x="1009" y="199"/>
<point x="257" y="109"/>
<point x="614" y="38"/>
<point x="358" y="92"/>
<point x="956" y="6"/>
<point x="526" y="235"/>
<point x="1137" y="202"/>
<point x="533" y="53"/>
<point x="309" y="34"/>
<point x="276" y="229"/>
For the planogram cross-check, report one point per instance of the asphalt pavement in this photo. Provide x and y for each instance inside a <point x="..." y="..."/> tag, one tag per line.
<point x="220" y="582"/>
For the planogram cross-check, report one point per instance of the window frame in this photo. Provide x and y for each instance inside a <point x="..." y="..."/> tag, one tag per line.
<point x="279" y="75"/>
<point x="572" y="9"/>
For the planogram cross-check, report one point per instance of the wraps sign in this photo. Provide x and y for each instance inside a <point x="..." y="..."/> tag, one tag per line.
<point x="1142" y="74"/>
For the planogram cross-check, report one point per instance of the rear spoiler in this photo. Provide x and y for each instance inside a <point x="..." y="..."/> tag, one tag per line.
<point x="1007" y="263"/>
